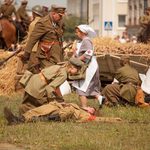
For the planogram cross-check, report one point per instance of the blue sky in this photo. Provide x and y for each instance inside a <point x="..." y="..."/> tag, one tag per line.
<point x="47" y="3"/>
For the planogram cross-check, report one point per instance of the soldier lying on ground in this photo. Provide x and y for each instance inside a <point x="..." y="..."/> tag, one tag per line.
<point x="55" y="111"/>
<point x="126" y="89"/>
<point x="41" y="88"/>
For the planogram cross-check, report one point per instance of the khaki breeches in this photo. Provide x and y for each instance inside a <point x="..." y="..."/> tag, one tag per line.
<point x="42" y="110"/>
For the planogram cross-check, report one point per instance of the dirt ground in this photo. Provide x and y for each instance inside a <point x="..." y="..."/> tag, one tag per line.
<point x="7" y="146"/>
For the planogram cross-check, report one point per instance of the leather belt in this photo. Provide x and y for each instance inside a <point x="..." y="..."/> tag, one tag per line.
<point x="50" y="42"/>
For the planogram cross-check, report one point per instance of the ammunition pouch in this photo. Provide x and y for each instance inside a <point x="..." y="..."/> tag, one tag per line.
<point x="46" y="47"/>
<point x="25" y="78"/>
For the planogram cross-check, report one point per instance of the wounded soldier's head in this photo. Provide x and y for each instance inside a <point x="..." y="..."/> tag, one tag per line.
<point x="74" y="65"/>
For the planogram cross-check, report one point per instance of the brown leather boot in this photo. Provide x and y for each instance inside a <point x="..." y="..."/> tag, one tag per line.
<point x="140" y="99"/>
<point x="11" y="118"/>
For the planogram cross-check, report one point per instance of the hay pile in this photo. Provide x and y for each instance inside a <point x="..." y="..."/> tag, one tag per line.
<point x="110" y="46"/>
<point x="7" y="74"/>
<point x="102" y="46"/>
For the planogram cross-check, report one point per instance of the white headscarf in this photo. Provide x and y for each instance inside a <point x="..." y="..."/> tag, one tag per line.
<point x="88" y="30"/>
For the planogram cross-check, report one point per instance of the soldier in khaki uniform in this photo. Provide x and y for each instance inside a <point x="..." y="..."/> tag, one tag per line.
<point x="37" y="14"/>
<point x="22" y="14"/>
<point x="8" y="9"/>
<point x="41" y="88"/>
<point x="48" y="32"/>
<point x="45" y="10"/>
<point x="125" y="90"/>
<point x="55" y="111"/>
<point x="144" y="24"/>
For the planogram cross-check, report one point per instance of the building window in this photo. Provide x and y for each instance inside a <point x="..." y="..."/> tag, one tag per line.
<point x="145" y="4"/>
<point x="135" y="7"/>
<point x="140" y="6"/>
<point x="130" y="7"/>
<point x="129" y="23"/>
<point x="135" y="19"/>
<point x="121" y="20"/>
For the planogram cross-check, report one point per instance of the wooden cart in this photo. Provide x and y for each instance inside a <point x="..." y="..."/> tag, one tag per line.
<point x="108" y="65"/>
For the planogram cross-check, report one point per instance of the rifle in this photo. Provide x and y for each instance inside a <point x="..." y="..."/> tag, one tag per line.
<point x="13" y="54"/>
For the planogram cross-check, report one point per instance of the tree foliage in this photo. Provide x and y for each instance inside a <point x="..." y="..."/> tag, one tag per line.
<point x="70" y="23"/>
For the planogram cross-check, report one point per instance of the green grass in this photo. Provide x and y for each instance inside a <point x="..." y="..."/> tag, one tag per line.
<point x="133" y="134"/>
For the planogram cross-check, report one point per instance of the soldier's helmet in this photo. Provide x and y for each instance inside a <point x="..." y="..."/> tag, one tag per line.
<point x="38" y="10"/>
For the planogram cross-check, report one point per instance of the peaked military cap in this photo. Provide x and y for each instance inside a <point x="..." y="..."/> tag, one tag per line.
<point x="59" y="9"/>
<point x="76" y="62"/>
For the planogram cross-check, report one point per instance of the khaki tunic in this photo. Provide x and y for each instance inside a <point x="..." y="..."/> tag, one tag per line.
<point x="70" y="111"/>
<point x="40" y="86"/>
<point x="144" y="22"/>
<point x="128" y="79"/>
<point x="33" y="57"/>
<point x="45" y="31"/>
<point x="31" y="27"/>
<point x="22" y="14"/>
<point x="8" y="10"/>
<point x="21" y="67"/>
<point x="54" y="75"/>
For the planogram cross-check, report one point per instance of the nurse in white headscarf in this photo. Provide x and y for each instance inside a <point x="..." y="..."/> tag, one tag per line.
<point x="85" y="52"/>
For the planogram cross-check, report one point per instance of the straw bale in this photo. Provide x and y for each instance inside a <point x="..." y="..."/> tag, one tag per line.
<point x="110" y="46"/>
<point x="102" y="46"/>
<point x="7" y="74"/>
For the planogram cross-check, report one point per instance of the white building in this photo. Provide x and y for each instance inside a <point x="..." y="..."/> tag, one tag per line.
<point x="108" y="17"/>
<point x="77" y="8"/>
<point x="135" y="10"/>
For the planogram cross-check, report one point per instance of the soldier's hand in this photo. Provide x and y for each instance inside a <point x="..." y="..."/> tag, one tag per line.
<point x="53" y="96"/>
